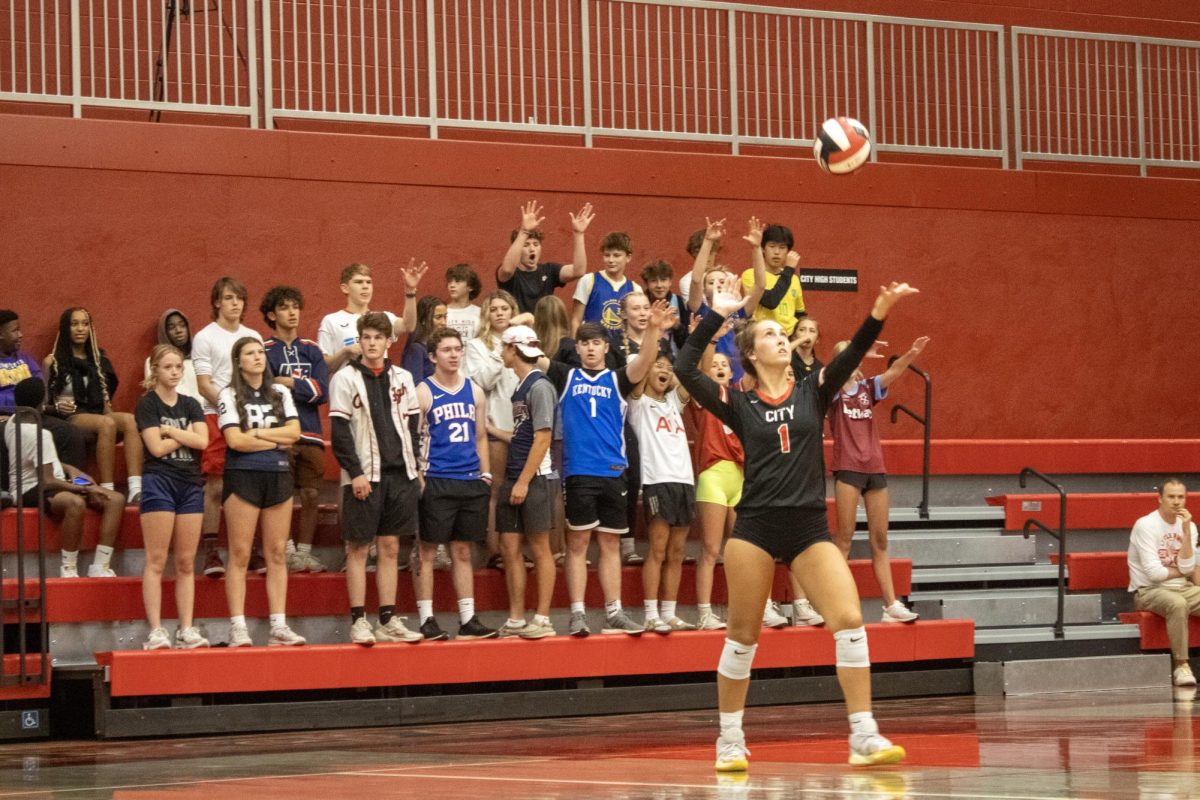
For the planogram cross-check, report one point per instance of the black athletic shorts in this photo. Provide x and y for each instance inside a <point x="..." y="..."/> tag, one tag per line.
<point x="454" y="510"/>
<point x="535" y="514"/>
<point x="389" y="510"/>
<point x="783" y="532"/>
<point x="673" y="503"/>
<point x="259" y="489"/>
<point x="595" y="502"/>
<point x="863" y="481"/>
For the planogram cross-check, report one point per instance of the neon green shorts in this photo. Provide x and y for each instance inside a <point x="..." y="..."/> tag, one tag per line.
<point x="720" y="484"/>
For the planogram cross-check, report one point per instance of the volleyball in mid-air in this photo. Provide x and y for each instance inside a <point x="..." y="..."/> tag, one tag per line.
<point x="842" y="145"/>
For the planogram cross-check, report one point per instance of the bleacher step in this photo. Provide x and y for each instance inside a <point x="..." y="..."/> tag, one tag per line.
<point x="1052" y="675"/>
<point x="1045" y="633"/>
<point x="983" y="573"/>
<point x="1007" y="607"/>
<point x="954" y="547"/>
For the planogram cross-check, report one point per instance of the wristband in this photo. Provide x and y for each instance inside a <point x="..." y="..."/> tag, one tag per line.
<point x="485" y="476"/>
<point x="407" y="294"/>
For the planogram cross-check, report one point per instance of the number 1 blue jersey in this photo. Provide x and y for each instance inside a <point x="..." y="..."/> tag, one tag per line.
<point x="593" y="424"/>
<point x="450" y="447"/>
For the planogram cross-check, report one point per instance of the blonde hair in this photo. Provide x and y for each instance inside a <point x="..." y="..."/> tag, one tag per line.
<point x="156" y="357"/>
<point x="485" y="316"/>
<point x="550" y="323"/>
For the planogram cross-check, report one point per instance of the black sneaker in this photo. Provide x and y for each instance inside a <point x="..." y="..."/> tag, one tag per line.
<point x="474" y="629"/>
<point x="432" y="631"/>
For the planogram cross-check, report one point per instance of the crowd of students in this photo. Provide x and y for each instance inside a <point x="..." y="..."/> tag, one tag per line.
<point x="501" y="418"/>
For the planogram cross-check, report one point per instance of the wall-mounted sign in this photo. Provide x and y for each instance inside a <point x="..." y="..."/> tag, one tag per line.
<point x="820" y="279"/>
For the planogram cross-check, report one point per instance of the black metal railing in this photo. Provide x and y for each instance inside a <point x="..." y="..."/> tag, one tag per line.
<point x="1060" y="535"/>
<point x="923" y="421"/>
<point x="29" y="609"/>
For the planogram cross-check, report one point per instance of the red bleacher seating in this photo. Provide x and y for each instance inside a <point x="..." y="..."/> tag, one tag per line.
<point x="26" y="691"/>
<point x="263" y="669"/>
<point x="1097" y="570"/>
<point x="1095" y="510"/>
<point x="1154" y="629"/>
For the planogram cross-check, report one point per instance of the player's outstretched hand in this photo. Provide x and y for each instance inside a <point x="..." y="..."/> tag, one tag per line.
<point x="413" y="273"/>
<point x="875" y="348"/>
<point x="580" y="221"/>
<point x="754" y="232"/>
<point x="888" y="296"/>
<point x="727" y="304"/>
<point x="918" y="346"/>
<point x="531" y="216"/>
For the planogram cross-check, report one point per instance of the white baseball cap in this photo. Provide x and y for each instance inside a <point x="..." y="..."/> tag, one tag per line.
<point x="524" y="338"/>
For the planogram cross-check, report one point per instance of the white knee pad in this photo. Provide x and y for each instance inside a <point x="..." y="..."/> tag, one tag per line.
<point x="851" y="648"/>
<point x="736" y="660"/>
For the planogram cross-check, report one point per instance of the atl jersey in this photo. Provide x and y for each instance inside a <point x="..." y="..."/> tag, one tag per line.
<point x="593" y="421"/>
<point x="451" y="445"/>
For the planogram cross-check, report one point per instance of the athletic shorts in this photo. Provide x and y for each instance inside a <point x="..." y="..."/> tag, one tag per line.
<point x="29" y="499"/>
<point x="720" y="484"/>
<point x="308" y="465"/>
<point x="212" y="460"/>
<point x="784" y="533"/>
<point x="863" y="481"/>
<point x="673" y="503"/>
<point x="259" y="489"/>
<point x="536" y="514"/>
<point x="164" y="493"/>
<point x="595" y="502"/>
<point x="454" y="510"/>
<point x="389" y="510"/>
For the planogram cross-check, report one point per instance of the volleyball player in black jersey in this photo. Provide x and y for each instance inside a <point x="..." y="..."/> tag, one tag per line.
<point x="783" y="515"/>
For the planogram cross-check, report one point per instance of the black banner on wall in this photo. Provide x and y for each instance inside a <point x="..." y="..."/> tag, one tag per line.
<point x="820" y="279"/>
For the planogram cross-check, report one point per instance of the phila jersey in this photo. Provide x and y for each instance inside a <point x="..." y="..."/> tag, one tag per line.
<point x="451" y="445"/>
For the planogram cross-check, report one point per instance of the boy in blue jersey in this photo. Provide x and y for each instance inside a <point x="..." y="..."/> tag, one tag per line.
<point x="299" y="365"/>
<point x="458" y="483"/>
<point x="598" y="294"/>
<point x="592" y="407"/>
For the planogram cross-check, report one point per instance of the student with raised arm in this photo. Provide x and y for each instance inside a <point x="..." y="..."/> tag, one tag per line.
<point x="592" y="405"/>
<point x="598" y="293"/>
<point x="524" y="275"/>
<point x="338" y="333"/>
<point x="210" y="354"/>
<point x="859" y="472"/>
<point x="782" y="300"/>
<point x="259" y="422"/>
<point x="458" y="481"/>
<point x="782" y="514"/>
<point x="373" y="415"/>
<point x="709" y="279"/>
<point x="172" y="506"/>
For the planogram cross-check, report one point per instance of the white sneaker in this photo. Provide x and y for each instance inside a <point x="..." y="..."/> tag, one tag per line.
<point x="511" y="631"/>
<point x="283" y="636"/>
<point x="676" y="624"/>
<point x="869" y="749"/>
<point x="360" y="633"/>
<point x="898" y="612"/>
<point x="710" y="622"/>
<point x="771" y="616"/>
<point x="189" y="639"/>
<point x="397" y="631"/>
<point x="100" y="571"/>
<point x="66" y="571"/>
<point x="657" y="625"/>
<point x="1183" y="676"/>
<point x="239" y="636"/>
<point x="157" y="640"/>
<point x="804" y="614"/>
<point x="732" y="755"/>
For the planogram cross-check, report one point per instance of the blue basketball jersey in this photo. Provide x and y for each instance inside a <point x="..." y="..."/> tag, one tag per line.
<point x="450" y="446"/>
<point x="593" y="424"/>
<point x="604" y="300"/>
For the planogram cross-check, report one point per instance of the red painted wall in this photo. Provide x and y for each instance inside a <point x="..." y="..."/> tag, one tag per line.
<point x="1059" y="304"/>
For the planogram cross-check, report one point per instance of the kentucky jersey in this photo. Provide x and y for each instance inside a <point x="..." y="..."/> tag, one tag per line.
<point x="451" y="445"/>
<point x="593" y="423"/>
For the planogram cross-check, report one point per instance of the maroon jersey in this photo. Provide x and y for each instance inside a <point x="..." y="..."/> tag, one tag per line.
<point x="852" y="420"/>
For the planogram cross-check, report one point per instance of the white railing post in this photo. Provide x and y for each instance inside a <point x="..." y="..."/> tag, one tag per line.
<point x="76" y="66"/>
<point x="267" y="69"/>
<point x="252" y="57"/>
<point x="871" y="85"/>
<point x="733" y="81"/>
<point x="431" y="64"/>
<point x="1001" y="74"/>
<point x="1141" y="109"/>
<point x="586" y="50"/>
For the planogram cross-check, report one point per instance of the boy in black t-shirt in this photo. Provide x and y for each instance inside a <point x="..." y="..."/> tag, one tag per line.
<point x="522" y="274"/>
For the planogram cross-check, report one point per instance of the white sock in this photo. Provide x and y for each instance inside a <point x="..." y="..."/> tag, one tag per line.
<point x="626" y="545"/>
<point x="134" y="482"/>
<point x="515" y="623"/>
<point x="240" y="619"/>
<point x="577" y="606"/>
<point x="651" y="608"/>
<point x="541" y="620"/>
<point x="863" y="722"/>
<point x="668" y="610"/>
<point x="731" y="721"/>
<point x="70" y="558"/>
<point x="466" y="609"/>
<point x="278" y="621"/>
<point x="304" y="549"/>
<point x="103" y="555"/>
<point x="704" y="608"/>
<point x="612" y="607"/>
<point x="107" y="485"/>
<point x="424" y="609"/>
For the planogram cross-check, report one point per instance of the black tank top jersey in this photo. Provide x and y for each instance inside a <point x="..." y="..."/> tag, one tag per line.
<point x="785" y="462"/>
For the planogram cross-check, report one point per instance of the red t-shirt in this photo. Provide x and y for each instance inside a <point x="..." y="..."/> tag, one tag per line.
<point x="715" y="441"/>
<point x="852" y="421"/>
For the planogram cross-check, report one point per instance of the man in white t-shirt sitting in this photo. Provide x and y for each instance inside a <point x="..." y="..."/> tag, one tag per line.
<point x="1162" y="566"/>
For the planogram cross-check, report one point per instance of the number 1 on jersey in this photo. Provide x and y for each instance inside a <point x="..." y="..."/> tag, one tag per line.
<point x="785" y="442"/>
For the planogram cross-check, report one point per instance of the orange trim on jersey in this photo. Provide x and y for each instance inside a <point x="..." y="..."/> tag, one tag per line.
<point x="776" y="400"/>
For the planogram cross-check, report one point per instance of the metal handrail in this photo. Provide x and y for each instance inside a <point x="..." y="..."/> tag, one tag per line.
<point x="923" y="421"/>
<point x="23" y="603"/>
<point x="1060" y="535"/>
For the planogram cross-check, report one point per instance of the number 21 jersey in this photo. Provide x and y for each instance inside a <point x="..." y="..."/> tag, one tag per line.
<point x="450" y="449"/>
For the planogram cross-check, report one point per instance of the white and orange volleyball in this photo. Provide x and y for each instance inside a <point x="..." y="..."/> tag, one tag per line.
<point x="842" y="145"/>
